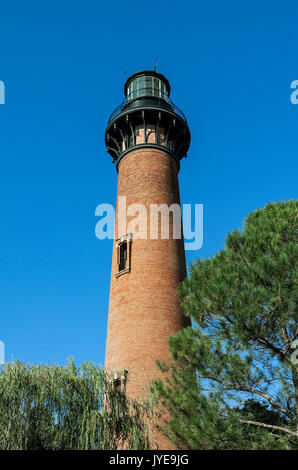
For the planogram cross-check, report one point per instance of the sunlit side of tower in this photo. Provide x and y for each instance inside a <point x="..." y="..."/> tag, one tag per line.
<point x="147" y="136"/>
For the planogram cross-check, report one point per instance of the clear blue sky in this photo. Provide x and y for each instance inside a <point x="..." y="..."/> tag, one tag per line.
<point x="230" y="65"/>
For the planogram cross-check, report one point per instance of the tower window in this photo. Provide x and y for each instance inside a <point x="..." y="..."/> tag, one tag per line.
<point x="117" y="384"/>
<point x="119" y="380"/>
<point x="123" y="248"/>
<point x="123" y="256"/>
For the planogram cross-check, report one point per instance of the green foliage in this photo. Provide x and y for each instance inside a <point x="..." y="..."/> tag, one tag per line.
<point x="243" y="306"/>
<point x="67" y="407"/>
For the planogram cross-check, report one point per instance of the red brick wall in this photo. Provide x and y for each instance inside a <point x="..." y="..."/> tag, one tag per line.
<point x="144" y="309"/>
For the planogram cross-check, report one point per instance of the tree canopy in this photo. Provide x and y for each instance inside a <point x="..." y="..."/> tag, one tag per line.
<point x="67" y="407"/>
<point x="234" y="379"/>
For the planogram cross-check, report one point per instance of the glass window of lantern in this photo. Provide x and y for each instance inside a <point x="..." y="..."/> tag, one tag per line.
<point x="148" y="86"/>
<point x="134" y="90"/>
<point x="140" y="82"/>
<point x="164" y="92"/>
<point x="130" y="91"/>
<point x="156" y="84"/>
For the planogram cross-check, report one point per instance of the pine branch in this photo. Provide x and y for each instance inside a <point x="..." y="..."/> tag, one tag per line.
<point x="270" y="426"/>
<point x="253" y="391"/>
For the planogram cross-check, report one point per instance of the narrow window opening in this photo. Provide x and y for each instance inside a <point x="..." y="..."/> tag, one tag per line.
<point x="117" y="384"/>
<point x="123" y="256"/>
<point x="123" y="252"/>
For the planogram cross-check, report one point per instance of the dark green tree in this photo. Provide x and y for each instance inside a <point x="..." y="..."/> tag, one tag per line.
<point x="67" y="407"/>
<point x="234" y="379"/>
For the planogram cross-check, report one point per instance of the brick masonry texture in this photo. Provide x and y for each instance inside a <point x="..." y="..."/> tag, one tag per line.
<point x="144" y="309"/>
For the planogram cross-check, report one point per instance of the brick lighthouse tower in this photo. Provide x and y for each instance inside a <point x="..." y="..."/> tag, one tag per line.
<point x="147" y="136"/>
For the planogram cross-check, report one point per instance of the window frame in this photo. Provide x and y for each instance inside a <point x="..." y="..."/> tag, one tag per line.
<point x="126" y="239"/>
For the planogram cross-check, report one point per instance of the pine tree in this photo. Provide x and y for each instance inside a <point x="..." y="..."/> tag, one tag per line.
<point x="67" y="407"/>
<point x="241" y="348"/>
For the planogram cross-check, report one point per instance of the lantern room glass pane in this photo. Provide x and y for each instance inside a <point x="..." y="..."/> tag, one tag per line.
<point x="147" y="86"/>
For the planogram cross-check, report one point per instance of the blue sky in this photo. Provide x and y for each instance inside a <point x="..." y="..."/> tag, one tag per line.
<point x="230" y="65"/>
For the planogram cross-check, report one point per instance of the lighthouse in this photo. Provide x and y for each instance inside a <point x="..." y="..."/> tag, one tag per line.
<point x="147" y="136"/>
